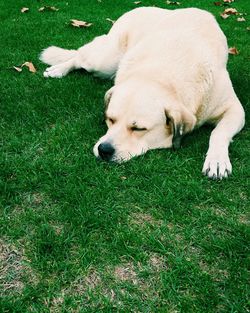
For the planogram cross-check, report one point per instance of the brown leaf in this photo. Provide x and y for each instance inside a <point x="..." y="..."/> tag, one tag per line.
<point x="227" y="12"/>
<point x="224" y="3"/>
<point x="47" y="8"/>
<point x="77" y="23"/>
<point x="233" y="50"/>
<point x="137" y="2"/>
<point x="18" y="69"/>
<point x="173" y="2"/>
<point x="224" y="15"/>
<point x="25" y="10"/>
<point x="241" y="19"/>
<point x="109" y="20"/>
<point x="230" y="11"/>
<point x="30" y="66"/>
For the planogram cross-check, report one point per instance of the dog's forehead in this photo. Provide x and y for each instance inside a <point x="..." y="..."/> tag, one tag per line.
<point x="134" y="113"/>
<point x="131" y="104"/>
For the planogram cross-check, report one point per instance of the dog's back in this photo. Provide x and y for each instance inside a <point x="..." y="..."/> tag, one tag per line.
<point x="145" y="21"/>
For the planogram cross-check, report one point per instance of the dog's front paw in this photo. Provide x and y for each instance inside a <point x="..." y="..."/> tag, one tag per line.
<point x="56" y="71"/>
<point x="217" y="166"/>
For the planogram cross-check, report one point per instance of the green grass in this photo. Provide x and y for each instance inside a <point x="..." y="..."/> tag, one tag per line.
<point x="78" y="235"/>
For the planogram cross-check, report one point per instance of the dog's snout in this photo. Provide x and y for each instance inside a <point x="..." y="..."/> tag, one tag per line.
<point x="106" y="151"/>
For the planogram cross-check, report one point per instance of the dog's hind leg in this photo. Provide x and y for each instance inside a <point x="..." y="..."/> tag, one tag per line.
<point x="62" y="69"/>
<point x="101" y="57"/>
<point x="62" y="60"/>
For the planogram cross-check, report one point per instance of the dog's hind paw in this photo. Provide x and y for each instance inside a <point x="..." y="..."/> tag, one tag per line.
<point x="217" y="167"/>
<point x="56" y="71"/>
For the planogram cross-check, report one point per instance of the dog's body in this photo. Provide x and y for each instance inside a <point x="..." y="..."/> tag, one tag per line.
<point x="170" y="77"/>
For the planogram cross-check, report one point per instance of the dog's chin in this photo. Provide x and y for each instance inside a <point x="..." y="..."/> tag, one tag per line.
<point x="117" y="158"/>
<point x="114" y="159"/>
<point x="120" y="159"/>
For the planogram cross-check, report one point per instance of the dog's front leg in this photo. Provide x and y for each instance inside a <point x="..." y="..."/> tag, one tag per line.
<point x="217" y="163"/>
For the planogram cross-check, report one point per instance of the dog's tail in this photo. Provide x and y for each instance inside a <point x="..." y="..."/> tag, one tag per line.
<point x="55" y="55"/>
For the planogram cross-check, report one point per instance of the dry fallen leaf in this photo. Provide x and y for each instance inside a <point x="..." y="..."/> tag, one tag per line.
<point x="227" y="12"/>
<point x="25" y="10"/>
<point x="233" y="50"/>
<point x="241" y="19"/>
<point x="30" y="66"/>
<point x="224" y="15"/>
<point x="225" y="3"/>
<point x="109" y="20"/>
<point x="230" y="11"/>
<point x="173" y="2"/>
<point x="137" y="2"/>
<point x="77" y="23"/>
<point x="47" y="8"/>
<point x="18" y="69"/>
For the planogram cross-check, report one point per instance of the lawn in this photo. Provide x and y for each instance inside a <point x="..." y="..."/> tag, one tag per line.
<point x="80" y="235"/>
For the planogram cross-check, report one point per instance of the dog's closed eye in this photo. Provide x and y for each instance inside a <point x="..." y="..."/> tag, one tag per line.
<point x="139" y="129"/>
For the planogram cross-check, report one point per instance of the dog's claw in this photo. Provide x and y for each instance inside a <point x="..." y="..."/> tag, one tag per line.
<point x="217" y="167"/>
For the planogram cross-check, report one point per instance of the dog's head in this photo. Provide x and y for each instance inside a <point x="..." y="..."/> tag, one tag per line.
<point x="141" y="116"/>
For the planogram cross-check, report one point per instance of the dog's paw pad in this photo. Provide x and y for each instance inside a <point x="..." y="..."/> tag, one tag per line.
<point x="217" y="167"/>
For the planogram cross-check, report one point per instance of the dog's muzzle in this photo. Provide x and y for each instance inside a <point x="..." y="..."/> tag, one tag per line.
<point x="106" y="151"/>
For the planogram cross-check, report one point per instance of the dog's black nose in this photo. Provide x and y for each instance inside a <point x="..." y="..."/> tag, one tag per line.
<point x="106" y="151"/>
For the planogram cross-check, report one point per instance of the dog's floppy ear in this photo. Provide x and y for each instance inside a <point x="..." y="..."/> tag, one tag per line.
<point x="181" y="122"/>
<point x="108" y="96"/>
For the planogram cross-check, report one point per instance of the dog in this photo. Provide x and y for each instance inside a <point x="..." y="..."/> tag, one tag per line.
<point x="170" y="77"/>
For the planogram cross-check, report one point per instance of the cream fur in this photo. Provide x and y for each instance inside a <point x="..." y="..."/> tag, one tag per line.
<point x="167" y="65"/>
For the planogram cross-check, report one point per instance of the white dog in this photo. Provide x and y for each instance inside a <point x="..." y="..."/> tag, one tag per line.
<point x="170" y="77"/>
